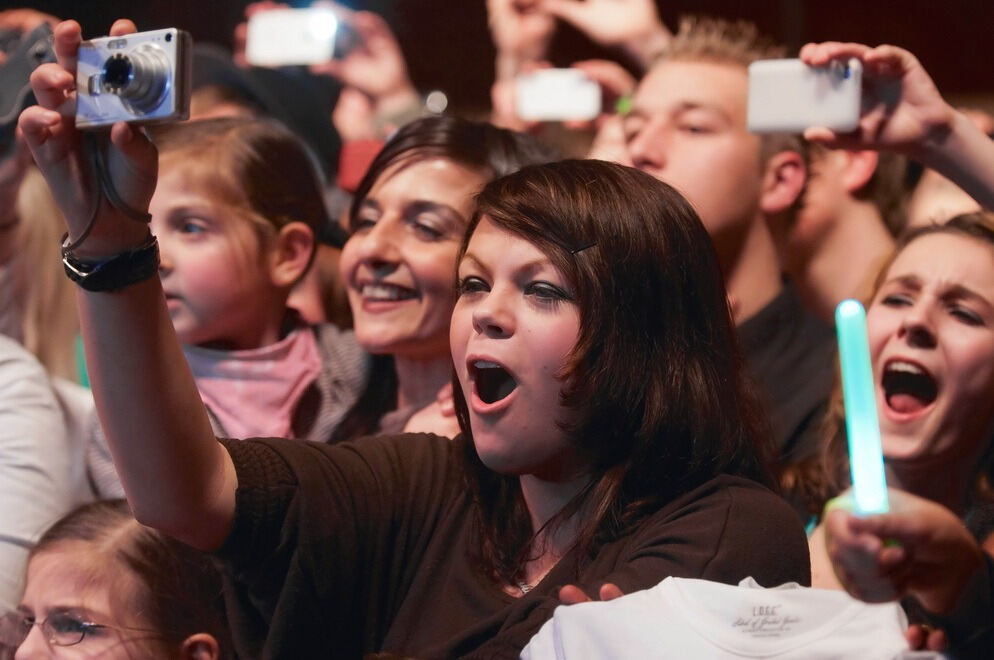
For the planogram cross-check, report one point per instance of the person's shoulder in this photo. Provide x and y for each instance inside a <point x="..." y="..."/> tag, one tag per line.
<point x="289" y="458"/>
<point x="340" y="351"/>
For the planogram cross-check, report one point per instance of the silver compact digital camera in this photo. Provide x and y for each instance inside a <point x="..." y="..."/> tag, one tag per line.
<point x="138" y="78"/>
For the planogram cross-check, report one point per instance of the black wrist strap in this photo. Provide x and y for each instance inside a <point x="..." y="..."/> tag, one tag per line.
<point x="117" y="272"/>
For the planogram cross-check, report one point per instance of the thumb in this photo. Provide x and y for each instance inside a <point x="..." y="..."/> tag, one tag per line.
<point x="571" y="11"/>
<point x="141" y="156"/>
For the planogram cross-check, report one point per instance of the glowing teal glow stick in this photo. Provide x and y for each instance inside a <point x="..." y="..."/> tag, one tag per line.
<point x="866" y="459"/>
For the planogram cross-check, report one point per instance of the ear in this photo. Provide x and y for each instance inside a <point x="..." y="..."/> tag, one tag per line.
<point x="859" y="169"/>
<point x="292" y="253"/>
<point x="201" y="646"/>
<point x="783" y="181"/>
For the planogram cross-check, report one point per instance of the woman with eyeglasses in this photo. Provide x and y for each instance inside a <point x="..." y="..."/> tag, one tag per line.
<point x="108" y="587"/>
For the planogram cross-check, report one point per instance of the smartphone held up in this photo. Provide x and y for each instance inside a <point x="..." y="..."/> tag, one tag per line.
<point x="290" y="37"/>
<point x="557" y="95"/>
<point x="788" y="96"/>
<point x="138" y="78"/>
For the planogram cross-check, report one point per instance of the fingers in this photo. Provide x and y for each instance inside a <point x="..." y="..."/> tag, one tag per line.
<point x="68" y="36"/>
<point x="123" y="26"/>
<point x="823" y="53"/>
<point x="609" y="75"/>
<point x="37" y="124"/>
<point x="572" y="594"/>
<point x="571" y="11"/>
<point x="52" y="84"/>
<point x="937" y="640"/>
<point x="132" y="142"/>
<point x="610" y="591"/>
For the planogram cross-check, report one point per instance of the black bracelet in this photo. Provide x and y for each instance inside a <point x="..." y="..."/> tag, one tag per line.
<point x="118" y="271"/>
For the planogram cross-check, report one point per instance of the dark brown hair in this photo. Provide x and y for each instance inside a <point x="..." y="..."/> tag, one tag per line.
<point x="822" y="478"/>
<point x="175" y="588"/>
<point x="655" y="379"/>
<point x="476" y="145"/>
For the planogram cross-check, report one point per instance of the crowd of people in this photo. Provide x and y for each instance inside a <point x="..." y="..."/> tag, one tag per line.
<point x="365" y="379"/>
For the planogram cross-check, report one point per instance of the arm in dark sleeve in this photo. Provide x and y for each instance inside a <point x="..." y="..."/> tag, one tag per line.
<point x="313" y="562"/>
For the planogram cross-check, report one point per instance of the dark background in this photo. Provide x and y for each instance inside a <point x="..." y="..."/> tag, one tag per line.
<point x="448" y="47"/>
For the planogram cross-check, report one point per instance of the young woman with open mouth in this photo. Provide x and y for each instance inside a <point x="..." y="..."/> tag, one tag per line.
<point x="930" y="324"/>
<point x="619" y="445"/>
<point x="409" y="214"/>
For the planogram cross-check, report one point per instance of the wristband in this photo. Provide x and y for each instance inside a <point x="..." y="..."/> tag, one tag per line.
<point x="115" y="273"/>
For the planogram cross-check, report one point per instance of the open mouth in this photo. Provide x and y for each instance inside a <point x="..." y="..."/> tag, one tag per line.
<point x="908" y="388"/>
<point x="382" y="291"/>
<point x="493" y="382"/>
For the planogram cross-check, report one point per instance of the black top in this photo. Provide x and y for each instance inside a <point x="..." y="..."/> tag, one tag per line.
<point x="341" y="550"/>
<point x="790" y="354"/>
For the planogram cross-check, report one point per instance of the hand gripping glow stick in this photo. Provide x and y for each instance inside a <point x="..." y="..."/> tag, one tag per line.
<point x="866" y="458"/>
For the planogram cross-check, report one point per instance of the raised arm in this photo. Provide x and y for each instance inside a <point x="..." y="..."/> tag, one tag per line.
<point x="176" y="476"/>
<point x="904" y="112"/>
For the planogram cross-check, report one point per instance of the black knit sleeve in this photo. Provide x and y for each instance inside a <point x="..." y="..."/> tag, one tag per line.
<point x="326" y="538"/>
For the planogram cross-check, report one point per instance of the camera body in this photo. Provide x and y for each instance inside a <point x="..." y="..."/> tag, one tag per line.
<point x="789" y="96"/>
<point x="137" y="78"/>
<point x="557" y="95"/>
<point x="298" y="36"/>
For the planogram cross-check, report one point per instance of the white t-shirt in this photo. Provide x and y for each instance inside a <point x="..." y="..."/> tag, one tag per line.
<point x="683" y="618"/>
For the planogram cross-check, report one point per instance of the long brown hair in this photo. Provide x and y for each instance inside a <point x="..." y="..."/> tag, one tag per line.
<point x="655" y="379"/>
<point x="827" y="475"/>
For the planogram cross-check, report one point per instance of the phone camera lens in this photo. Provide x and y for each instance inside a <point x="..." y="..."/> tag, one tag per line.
<point x="169" y="37"/>
<point x="847" y="72"/>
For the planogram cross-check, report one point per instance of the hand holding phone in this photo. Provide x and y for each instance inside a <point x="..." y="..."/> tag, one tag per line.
<point x="788" y="96"/>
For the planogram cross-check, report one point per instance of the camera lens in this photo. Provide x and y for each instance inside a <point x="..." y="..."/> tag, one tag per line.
<point x="140" y="77"/>
<point x="169" y="37"/>
<point x="118" y="71"/>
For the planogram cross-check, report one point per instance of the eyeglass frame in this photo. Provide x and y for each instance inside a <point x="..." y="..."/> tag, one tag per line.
<point x="17" y="620"/>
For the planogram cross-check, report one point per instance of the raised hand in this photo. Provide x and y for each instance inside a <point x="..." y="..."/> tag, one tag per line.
<point x="61" y="154"/>
<point x="521" y="29"/>
<point x="376" y="66"/>
<point x="631" y="24"/>
<point x="902" y="108"/>
<point x="918" y="549"/>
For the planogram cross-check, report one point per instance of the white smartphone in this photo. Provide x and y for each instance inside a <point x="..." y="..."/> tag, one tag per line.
<point x="285" y="37"/>
<point x="557" y="95"/>
<point x="788" y="96"/>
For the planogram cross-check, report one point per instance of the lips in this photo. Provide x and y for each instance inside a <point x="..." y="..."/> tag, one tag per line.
<point x="493" y="384"/>
<point x="385" y="292"/>
<point x="909" y="388"/>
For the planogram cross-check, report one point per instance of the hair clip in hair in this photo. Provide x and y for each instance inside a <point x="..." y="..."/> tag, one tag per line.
<point x="581" y="249"/>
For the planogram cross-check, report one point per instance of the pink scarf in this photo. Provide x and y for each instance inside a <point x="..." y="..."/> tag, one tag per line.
<point x="255" y="392"/>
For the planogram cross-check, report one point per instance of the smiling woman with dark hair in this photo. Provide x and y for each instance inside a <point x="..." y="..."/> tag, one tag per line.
<point x="606" y="433"/>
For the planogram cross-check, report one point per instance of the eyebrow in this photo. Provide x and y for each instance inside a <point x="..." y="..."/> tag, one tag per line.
<point x="955" y="291"/>
<point x="527" y="269"/>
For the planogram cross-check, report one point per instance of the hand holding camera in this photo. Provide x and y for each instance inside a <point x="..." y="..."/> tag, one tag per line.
<point x="902" y="109"/>
<point x="50" y="131"/>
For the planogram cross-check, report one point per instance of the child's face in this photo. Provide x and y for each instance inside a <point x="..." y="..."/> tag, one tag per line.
<point x="512" y="328"/>
<point x="61" y="591"/>
<point x="398" y="263"/>
<point x="214" y="271"/>
<point x="931" y="333"/>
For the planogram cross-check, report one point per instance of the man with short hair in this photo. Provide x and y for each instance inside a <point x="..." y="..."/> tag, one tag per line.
<point x="688" y="129"/>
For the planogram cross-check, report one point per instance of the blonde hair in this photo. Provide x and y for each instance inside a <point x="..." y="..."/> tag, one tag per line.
<point x="733" y="43"/>
<point x="49" y="324"/>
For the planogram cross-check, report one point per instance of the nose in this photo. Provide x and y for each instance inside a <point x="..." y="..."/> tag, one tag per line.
<point x="377" y="247"/>
<point x="647" y="148"/>
<point x="492" y="316"/>
<point x="917" y="327"/>
<point x="34" y="645"/>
